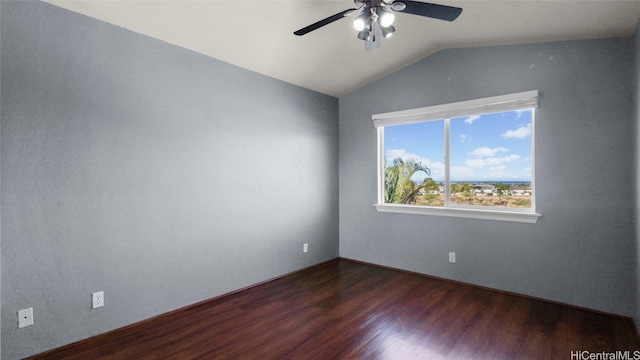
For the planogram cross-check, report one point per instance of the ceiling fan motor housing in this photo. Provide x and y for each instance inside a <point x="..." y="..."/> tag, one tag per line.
<point x="371" y="3"/>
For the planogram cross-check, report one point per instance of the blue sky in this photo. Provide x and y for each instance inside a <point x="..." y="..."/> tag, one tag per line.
<point x="490" y="147"/>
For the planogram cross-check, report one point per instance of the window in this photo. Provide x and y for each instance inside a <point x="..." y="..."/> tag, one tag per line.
<point x="468" y="159"/>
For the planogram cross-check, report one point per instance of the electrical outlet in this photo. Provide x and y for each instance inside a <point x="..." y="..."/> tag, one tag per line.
<point x="305" y="248"/>
<point x="97" y="299"/>
<point x="452" y="257"/>
<point x="25" y="317"/>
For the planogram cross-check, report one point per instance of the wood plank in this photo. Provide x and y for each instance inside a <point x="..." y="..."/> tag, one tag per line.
<point x="343" y="309"/>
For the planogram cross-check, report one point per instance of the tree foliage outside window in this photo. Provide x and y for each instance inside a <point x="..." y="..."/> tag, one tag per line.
<point x="399" y="187"/>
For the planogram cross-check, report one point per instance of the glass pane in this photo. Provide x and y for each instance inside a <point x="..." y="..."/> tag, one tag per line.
<point x="491" y="159"/>
<point x="414" y="164"/>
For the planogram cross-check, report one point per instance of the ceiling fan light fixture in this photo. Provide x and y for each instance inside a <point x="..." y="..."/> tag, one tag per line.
<point x="359" y="23"/>
<point x="388" y="31"/>
<point x="386" y="19"/>
<point x="364" y="35"/>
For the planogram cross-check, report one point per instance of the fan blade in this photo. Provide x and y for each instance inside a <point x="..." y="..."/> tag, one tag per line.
<point x="324" y="22"/>
<point x="442" y="12"/>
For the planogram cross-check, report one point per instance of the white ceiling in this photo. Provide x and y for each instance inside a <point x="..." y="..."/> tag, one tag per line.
<point x="258" y="35"/>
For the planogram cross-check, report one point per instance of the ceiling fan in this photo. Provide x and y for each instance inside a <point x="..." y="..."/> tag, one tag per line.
<point x="375" y="18"/>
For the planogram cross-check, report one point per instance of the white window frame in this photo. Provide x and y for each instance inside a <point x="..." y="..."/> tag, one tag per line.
<point x="517" y="101"/>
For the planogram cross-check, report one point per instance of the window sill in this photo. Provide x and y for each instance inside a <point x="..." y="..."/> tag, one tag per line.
<point x="497" y="215"/>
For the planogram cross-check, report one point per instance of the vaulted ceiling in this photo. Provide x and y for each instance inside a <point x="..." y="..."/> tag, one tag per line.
<point x="258" y="35"/>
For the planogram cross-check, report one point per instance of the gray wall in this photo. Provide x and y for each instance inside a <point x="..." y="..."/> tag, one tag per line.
<point x="579" y="252"/>
<point x="156" y="174"/>
<point x="636" y="97"/>
<point x="0" y="191"/>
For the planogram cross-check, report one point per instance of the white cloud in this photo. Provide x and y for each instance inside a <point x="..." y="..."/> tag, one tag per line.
<point x="471" y="119"/>
<point x="475" y="163"/>
<point x="520" y="133"/>
<point x="490" y="161"/>
<point x="460" y="172"/>
<point x="485" y="151"/>
<point x="436" y="167"/>
<point x="498" y="168"/>
<point x="498" y="161"/>
<point x="464" y="138"/>
<point x="404" y="155"/>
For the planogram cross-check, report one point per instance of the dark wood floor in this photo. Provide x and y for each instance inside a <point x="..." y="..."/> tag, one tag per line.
<point x="347" y="310"/>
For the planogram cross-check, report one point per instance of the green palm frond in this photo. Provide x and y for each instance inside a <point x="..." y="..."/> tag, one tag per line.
<point x="399" y="188"/>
